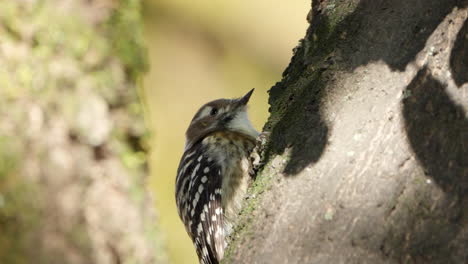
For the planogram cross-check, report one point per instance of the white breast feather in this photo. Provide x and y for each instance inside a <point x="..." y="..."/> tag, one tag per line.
<point x="241" y="123"/>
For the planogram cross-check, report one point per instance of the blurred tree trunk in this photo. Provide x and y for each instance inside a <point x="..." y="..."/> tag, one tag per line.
<point x="72" y="155"/>
<point x="367" y="160"/>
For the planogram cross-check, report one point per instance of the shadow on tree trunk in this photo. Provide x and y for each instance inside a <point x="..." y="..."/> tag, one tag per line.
<point x="437" y="132"/>
<point x="425" y="226"/>
<point x="394" y="32"/>
<point x="459" y="57"/>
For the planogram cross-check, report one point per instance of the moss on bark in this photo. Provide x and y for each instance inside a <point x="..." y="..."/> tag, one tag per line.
<point x="72" y="150"/>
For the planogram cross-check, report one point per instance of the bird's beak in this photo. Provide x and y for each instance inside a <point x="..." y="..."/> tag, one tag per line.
<point x="245" y="99"/>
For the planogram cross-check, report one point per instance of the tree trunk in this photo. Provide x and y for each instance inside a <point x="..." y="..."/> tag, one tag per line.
<point x="367" y="159"/>
<point x="72" y="161"/>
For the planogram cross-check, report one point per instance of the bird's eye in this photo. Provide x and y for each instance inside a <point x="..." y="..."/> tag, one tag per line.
<point x="214" y="111"/>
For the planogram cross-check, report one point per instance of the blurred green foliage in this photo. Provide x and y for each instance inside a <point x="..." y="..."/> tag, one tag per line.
<point x="126" y="34"/>
<point x="18" y="213"/>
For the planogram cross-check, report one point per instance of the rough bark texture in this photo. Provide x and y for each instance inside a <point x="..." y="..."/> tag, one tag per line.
<point x="367" y="161"/>
<point x="72" y="163"/>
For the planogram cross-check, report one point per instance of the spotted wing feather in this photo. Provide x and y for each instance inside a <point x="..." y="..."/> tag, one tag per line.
<point x="198" y="190"/>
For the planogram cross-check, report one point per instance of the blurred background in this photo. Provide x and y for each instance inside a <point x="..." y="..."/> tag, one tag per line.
<point x="200" y="51"/>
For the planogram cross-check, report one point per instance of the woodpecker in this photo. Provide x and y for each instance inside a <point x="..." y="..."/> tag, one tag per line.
<point x="214" y="173"/>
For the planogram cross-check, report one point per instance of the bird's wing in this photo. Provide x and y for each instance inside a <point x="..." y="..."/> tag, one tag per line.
<point x="203" y="214"/>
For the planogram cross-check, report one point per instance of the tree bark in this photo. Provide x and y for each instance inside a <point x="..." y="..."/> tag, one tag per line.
<point x="367" y="158"/>
<point x="72" y="156"/>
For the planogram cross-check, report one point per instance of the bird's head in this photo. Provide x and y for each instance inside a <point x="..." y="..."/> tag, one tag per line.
<point x="229" y="115"/>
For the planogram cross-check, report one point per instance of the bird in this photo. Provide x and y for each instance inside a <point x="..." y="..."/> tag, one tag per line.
<point x="214" y="173"/>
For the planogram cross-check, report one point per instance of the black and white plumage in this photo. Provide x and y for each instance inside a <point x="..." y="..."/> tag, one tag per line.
<point x="213" y="174"/>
